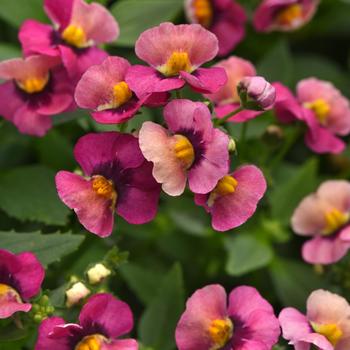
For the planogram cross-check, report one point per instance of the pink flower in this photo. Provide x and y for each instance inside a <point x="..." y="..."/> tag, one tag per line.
<point x="226" y="100"/>
<point x="102" y="320"/>
<point x="247" y="322"/>
<point x="325" y="216"/>
<point x="21" y="277"/>
<point x="36" y="88"/>
<point x="321" y="107"/>
<point x="103" y="89"/>
<point x="235" y="197"/>
<point x="284" y="15"/>
<point x="225" y="18"/>
<point x="175" y="53"/>
<point x="117" y="179"/>
<point x="257" y="93"/>
<point x="326" y="325"/>
<point x="191" y="148"/>
<point x="78" y="28"/>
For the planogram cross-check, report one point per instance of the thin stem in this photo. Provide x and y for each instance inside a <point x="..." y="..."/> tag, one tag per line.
<point x="226" y="117"/>
<point x="243" y="137"/>
<point x="123" y="127"/>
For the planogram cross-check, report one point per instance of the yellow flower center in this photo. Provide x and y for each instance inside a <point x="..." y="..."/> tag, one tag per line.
<point x="290" y="14"/>
<point x="178" y="61"/>
<point x="121" y="94"/>
<point x="331" y="331"/>
<point x="104" y="188"/>
<point x="335" y="219"/>
<point x="220" y="332"/>
<point x="225" y="186"/>
<point x="203" y="12"/>
<point x="184" y="151"/>
<point x="75" y="36"/>
<point x="90" y="342"/>
<point x="33" y="85"/>
<point x="7" y="292"/>
<point x="321" y="109"/>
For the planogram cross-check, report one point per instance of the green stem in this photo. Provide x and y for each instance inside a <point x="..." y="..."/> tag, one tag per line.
<point x="243" y="137"/>
<point x="178" y="94"/>
<point x="226" y="117"/>
<point x="123" y="127"/>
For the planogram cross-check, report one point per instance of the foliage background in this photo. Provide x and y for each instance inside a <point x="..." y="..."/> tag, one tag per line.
<point x="178" y="252"/>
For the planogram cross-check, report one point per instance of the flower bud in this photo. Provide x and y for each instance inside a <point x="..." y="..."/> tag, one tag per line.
<point x="232" y="145"/>
<point x="256" y="93"/>
<point x="76" y="293"/>
<point x="98" y="273"/>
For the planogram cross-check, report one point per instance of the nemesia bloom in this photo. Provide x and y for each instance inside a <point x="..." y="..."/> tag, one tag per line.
<point x="175" y="54"/>
<point x="103" y="89"/>
<point x="235" y="197"/>
<point x="257" y="92"/>
<point x="117" y="179"/>
<point x="284" y="15"/>
<point x="191" y="148"/>
<point x="208" y="323"/>
<point x="225" y="18"/>
<point x="35" y="89"/>
<point x="21" y="276"/>
<point x="102" y="320"/>
<point x="78" y="28"/>
<point x="325" y="326"/>
<point x="321" y="107"/>
<point x="226" y="100"/>
<point x="325" y="216"/>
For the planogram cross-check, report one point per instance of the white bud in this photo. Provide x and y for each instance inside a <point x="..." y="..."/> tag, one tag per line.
<point x="97" y="273"/>
<point x="76" y="293"/>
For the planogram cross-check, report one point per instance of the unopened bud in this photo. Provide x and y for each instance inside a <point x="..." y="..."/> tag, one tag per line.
<point x="98" y="273"/>
<point x="232" y="145"/>
<point x="76" y="293"/>
<point x="256" y="93"/>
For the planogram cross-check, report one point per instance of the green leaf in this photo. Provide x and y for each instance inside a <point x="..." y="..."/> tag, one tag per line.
<point x="15" y="12"/>
<point x="47" y="247"/>
<point x="294" y="281"/>
<point x="135" y="16"/>
<point x="277" y="64"/>
<point x="8" y="51"/>
<point x="29" y="193"/>
<point x="157" y="324"/>
<point x="246" y="254"/>
<point x="286" y="195"/>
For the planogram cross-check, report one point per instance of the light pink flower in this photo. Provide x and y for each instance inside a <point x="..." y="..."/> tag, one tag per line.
<point x="175" y="54"/>
<point x="284" y="15"/>
<point x="324" y="110"/>
<point x="118" y="179"/>
<point x="78" y="29"/>
<point x="234" y="199"/>
<point x="326" y="324"/>
<point x="225" y="18"/>
<point x="245" y="321"/>
<point x="324" y="216"/>
<point x="191" y="148"/>
<point x="103" y="89"/>
<point x="36" y="88"/>
<point x="226" y="100"/>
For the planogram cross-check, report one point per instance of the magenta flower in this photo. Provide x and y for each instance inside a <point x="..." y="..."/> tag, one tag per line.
<point x="235" y="197"/>
<point x="117" y="178"/>
<point x="247" y="322"/>
<point x="103" y="89"/>
<point x="321" y="107"/>
<point x="226" y="100"/>
<point x="325" y="216"/>
<point x="36" y="88"/>
<point x="225" y="18"/>
<point x="102" y="320"/>
<point x="175" y="53"/>
<point x="191" y="148"/>
<point x="21" y="277"/>
<point x="326" y="325"/>
<point x="284" y="15"/>
<point x="78" y="28"/>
